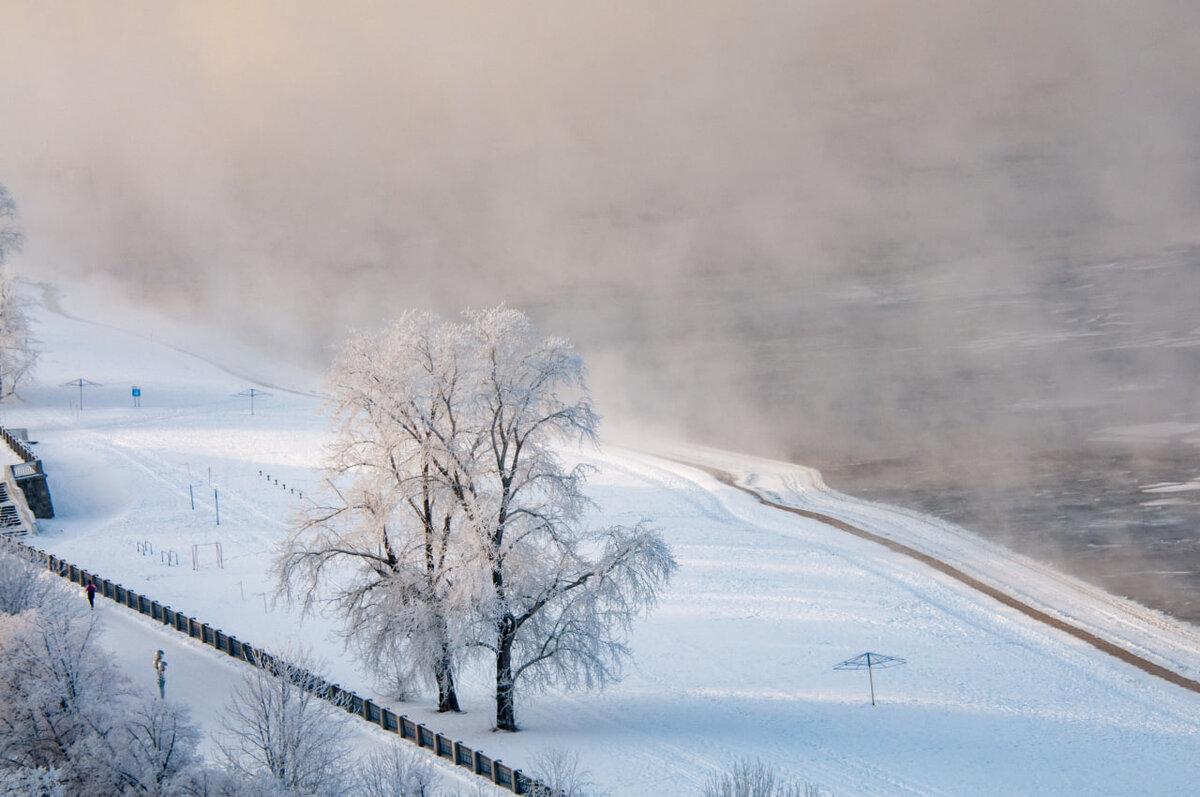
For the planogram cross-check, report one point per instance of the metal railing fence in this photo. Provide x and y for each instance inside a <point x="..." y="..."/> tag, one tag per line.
<point x="492" y="770"/>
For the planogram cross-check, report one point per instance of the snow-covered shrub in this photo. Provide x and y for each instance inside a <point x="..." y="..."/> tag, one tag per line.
<point x="753" y="778"/>
<point x="36" y="782"/>
<point x="559" y="770"/>
<point x="398" y="771"/>
<point x="22" y="584"/>
<point x="155" y="747"/>
<point x="223" y="783"/>
<point x="277" y="731"/>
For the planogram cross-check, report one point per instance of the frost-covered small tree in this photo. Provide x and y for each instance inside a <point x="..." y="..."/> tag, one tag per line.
<point x="53" y="691"/>
<point x="556" y="597"/>
<point x="68" y="719"/>
<point x="154" y="748"/>
<point x="38" y="782"/>
<point x="17" y="358"/>
<point x="12" y="238"/>
<point x="560" y="771"/>
<point x="277" y="731"/>
<point x="379" y="546"/>
<point x="22" y="584"/>
<point x="753" y="778"/>
<point x="397" y="771"/>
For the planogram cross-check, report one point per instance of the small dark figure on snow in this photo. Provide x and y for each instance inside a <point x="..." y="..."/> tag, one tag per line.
<point x="160" y="666"/>
<point x="91" y="593"/>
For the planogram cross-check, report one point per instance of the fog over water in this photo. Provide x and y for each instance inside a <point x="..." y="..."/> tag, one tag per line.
<point x="948" y="252"/>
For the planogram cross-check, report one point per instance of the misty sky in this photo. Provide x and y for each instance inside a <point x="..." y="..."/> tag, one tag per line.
<point x="807" y="228"/>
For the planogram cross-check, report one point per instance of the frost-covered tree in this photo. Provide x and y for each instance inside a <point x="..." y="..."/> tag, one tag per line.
<point x="69" y="722"/>
<point x="276" y="731"/>
<point x="753" y="778"/>
<point x="453" y="524"/>
<point x="22" y="584"/>
<point x="11" y="236"/>
<point x="154" y="748"/>
<point x="397" y="771"/>
<point x="378" y="547"/>
<point x="559" y="771"/>
<point x="557" y="597"/>
<point x="39" y="782"/>
<point x="53" y="691"/>
<point x="17" y="358"/>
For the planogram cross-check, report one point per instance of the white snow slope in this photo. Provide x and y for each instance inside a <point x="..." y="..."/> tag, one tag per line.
<point x="737" y="660"/>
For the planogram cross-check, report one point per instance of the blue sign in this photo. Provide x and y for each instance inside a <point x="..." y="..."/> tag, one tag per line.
<point x="137" y="392"/>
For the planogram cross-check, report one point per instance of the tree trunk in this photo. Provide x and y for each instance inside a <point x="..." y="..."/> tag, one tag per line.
<point x="506" y="715"/>
<point x="443" y="672"/>
<point x="447" y="696"/>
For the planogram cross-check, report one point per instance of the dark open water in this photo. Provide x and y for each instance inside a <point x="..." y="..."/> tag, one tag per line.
<point x="1052" y="408"/>
<point x="1096" y="469"/>
<point x="1086" y="450"/>
<point x="1085" y="510"/>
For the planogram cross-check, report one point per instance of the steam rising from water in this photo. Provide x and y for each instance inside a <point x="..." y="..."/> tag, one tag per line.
<point x="917" y="244"/>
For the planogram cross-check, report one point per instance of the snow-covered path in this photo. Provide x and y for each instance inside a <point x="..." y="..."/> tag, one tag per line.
<point x="736" y="661"/>
<point x="203" y="679"/>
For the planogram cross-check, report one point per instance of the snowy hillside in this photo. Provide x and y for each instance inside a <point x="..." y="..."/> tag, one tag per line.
<point x="738" y="659"/>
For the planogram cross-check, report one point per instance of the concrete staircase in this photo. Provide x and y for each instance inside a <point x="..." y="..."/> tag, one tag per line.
<point x="24" y="494"/>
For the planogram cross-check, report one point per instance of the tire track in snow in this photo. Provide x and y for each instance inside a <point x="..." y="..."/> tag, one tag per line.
<point x="1081" y="634"/>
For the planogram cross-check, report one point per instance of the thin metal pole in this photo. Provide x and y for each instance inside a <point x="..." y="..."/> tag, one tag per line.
<point x="871" y="678"/>
<point x="217" y="506"/>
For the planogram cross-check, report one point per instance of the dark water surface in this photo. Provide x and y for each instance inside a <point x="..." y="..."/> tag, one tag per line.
<point x="1053" y="408"/>
<point x="1086" y="511"/>
<point x="1086" y="450"/>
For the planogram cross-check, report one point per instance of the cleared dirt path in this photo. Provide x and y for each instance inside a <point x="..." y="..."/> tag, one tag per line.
<point x="1086" y="636"/>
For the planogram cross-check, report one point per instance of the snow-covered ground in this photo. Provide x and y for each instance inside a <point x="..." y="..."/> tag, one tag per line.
<point x="738" y="659"/>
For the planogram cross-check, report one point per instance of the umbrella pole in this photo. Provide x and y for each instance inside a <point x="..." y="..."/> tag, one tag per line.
<point x="871" y="679"/>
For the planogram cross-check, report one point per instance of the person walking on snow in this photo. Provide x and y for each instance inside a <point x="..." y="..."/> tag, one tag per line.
<point x="160" y="666"/>
<point x="91" y="593"/>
